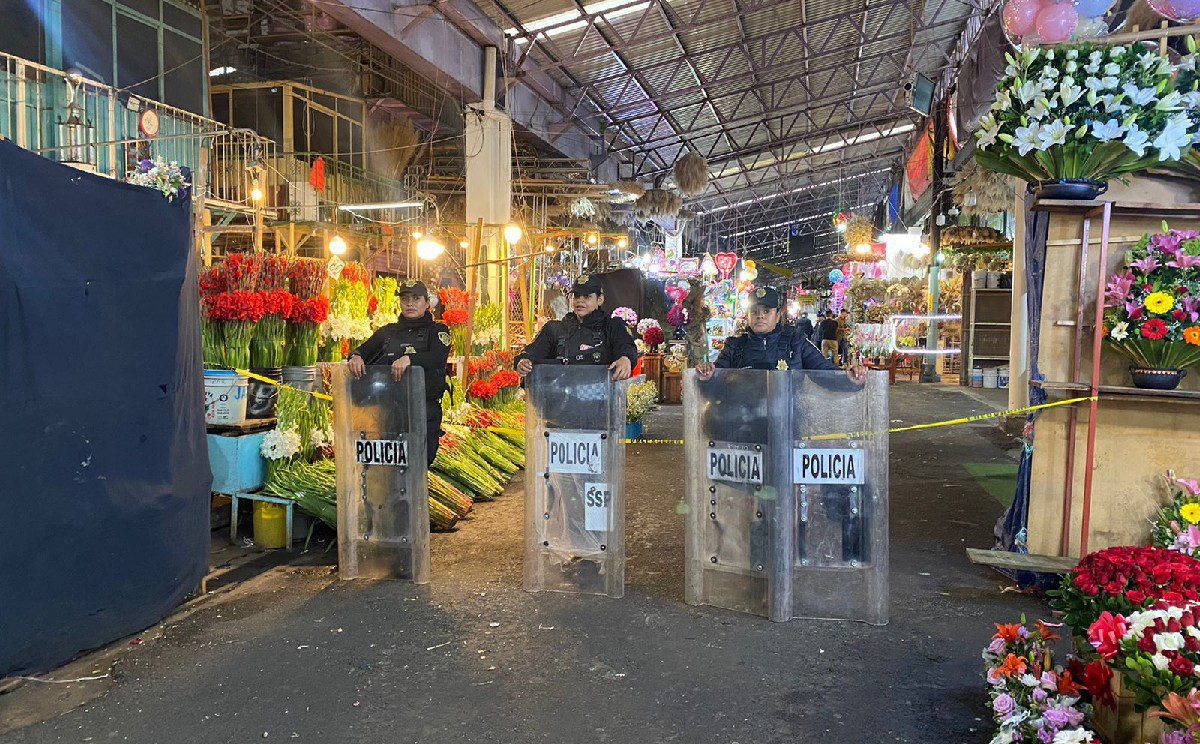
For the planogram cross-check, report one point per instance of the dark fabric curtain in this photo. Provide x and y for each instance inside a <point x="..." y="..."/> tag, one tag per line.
<point x="104" y="477"/>
<point x="1012" y="529"/>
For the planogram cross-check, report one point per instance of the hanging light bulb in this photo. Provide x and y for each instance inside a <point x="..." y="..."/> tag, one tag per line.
<point x="512" y="233"/>
<point x="337" y="245"/>
<point x="417" y="235"/>
<point x="550" y="248"/>
<point x="863" y="248"/>
<point x="464" y="244"/>
<point x="622" y="242"/>
<point x="593" y="238"/>
<point x="428" y="249"/>
<point x="256" y="192"/>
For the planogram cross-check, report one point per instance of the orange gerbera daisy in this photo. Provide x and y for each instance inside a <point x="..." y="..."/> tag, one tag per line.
<point x="1013" y="666"/>
<point x="1192" y="335"/>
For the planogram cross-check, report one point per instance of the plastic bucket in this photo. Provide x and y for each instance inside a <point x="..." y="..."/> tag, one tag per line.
<point x="224" y="397"/>
<point x="262" y="396"/>
<point x="304" y="378"/>
<point x="990" y="378"/>
<point x="977" y="377"/>
<point x="270" y="525"/>
<point x="979" y="279"/>
<point x="1002" y="377"/>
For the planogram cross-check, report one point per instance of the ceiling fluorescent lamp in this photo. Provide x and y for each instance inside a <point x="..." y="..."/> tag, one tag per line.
<point x="381" y="205"/>
<point x="799" y="190"/>
<point x="868" y="137"/>
<point x="219" y="71"/>
<point x="573" y="20"/>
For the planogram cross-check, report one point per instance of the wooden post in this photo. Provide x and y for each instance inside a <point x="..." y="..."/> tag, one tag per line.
<point x="473" y="273"/>
<point x="201" y="217"/>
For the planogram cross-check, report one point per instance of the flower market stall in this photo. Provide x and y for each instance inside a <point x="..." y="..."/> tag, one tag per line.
<point x="272" y="321"/>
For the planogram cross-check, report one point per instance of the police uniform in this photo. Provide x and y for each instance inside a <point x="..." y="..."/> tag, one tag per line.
<point x="765" y="351"/>
<point x="427" y="343"/>
<point x="597" y="339"/>
<point x="750" y="350"/>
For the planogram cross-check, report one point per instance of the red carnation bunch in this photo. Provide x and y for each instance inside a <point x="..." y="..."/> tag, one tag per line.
<point x="238" y="305"/>
<point x="278" y="302"/>
<point x="483" y="389"/>
<point x="1124" y="579"/>
<point x="454" y="316"/>
<point x="653" y="336"/>
<point x="506" y="379"/>
<point x="314" y="310"/>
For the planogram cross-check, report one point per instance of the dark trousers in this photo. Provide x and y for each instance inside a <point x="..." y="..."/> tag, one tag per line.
<point x="433" y="429"/>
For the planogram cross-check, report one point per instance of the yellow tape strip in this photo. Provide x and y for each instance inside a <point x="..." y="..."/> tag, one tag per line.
<point x="269" y="381"/>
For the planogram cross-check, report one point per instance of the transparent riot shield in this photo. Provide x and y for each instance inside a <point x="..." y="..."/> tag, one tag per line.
<point x="575" y="481"/>
<point x="840" y="489"/>
<point x="787" y="494"/>
<point x="382" y="476"/>
<point x="735" y="444"/>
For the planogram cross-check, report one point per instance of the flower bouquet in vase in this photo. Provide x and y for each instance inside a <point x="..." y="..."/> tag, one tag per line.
<point x="456" y="314"/>
<point x="1177" y="525"/>
<point x="1152" y="308"/>
<point x="1069" y="117"/>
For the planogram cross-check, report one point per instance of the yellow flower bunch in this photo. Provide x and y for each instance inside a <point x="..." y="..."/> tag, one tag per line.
<point x="1190" y="512"/>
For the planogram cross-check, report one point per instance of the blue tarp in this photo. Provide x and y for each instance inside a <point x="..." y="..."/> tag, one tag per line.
<point x="104" y="478"/>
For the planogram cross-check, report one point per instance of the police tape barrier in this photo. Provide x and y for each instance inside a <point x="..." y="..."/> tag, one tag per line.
<point x="278" y="384"/>
<point x="896" y="430"/>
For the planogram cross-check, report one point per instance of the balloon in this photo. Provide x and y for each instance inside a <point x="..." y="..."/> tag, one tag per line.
<point x="836" y="276"/>
<point x="1175" y="10"/>
<point x="1018" y="17"/>
<point x="1092" y="8"/>
<point x="1056" y="23"/>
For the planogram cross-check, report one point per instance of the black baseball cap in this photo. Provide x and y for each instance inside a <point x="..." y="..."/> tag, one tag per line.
<point x="767" y="297"/>
<point x="586" y="284"/>
<point x="414" y="287"/>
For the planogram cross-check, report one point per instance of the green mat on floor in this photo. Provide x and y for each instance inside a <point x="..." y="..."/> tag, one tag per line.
<point x="997" y="478"/>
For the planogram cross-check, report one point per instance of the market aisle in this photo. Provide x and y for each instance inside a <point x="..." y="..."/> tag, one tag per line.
<point x="473" y="658"/>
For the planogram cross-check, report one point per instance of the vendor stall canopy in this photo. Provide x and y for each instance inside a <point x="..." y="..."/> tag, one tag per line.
<point x="799" y="107"/>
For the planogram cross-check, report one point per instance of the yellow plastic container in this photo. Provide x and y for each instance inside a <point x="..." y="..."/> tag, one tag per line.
<point x="270" y="525"/>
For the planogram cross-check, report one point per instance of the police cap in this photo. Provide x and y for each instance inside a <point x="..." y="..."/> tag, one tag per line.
<point x="414" y="287"/>
<point x="767" y="297"/>
<point x="586" y="284"/>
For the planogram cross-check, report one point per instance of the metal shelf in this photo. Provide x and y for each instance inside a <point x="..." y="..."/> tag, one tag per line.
<point x="1121" y="392"/>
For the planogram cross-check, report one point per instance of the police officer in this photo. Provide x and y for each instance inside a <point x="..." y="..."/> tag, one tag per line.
<point x="766" y="343"/>
<point x="415" y="338"/>
<point x="587" y="335"/>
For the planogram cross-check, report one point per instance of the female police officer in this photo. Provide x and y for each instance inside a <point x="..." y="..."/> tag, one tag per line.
<point x="413" y="339"/>
<point x="767" y="343"/>
<point x="588" y="335"/>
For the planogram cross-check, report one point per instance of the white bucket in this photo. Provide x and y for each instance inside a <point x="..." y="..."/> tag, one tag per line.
<point x="990" y="378"/>
<point x="1002" y="374"/>
<point x="993" y="280"/>
<point x="977" y="377"/>
<point x="979" y="279"/>
<point x="224" y="397"/>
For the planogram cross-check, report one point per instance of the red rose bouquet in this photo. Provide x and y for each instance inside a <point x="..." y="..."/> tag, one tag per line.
<point x="1122" y="580"/>
<point x="653" y="337"/>
<point x="304" y="325"/>
<point x="1156" y="650"/>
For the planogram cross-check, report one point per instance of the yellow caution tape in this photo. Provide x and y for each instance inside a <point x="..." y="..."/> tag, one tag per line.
<point x="276" y="383"/>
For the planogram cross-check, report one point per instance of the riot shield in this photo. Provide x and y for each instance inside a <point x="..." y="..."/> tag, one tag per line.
<point x="736" y="452"/>
<point x="575" y="480"/>
<point x="787" y="494"/>
<point x="382" y="476"/>
<point x="840" y="481"/>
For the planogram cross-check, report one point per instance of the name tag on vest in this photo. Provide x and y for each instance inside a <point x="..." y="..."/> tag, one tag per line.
<point x="392" y="452"/>
<point x="735" y="465"/>
<point x="575" y="452"/>
<point x="829" y="466"/>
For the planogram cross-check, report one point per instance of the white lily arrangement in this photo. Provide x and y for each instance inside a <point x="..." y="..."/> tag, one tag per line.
<point x="1085" y="111"/>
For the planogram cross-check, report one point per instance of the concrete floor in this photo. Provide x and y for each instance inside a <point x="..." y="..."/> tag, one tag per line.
<point x="473" y="658"/>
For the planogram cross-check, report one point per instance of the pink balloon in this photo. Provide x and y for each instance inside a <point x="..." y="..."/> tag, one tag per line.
<point x="1056" y="23"/>
<point x="1019" y="16"/>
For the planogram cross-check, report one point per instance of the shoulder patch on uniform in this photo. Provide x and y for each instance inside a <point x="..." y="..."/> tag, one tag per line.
<point x="444" y="337"/>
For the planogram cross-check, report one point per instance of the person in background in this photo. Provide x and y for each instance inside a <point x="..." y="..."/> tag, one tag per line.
<point x="828" y="331"/>
<point x="815" y="336"/>
<point x="843" y="336"/>
<point x="768" y="344"/>
<point x="414" y="339"/>
<point x="804" y="326"/>
<point x="587" y="335"/>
